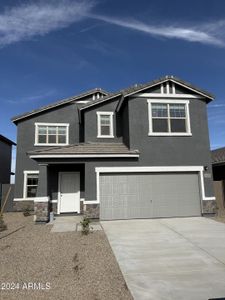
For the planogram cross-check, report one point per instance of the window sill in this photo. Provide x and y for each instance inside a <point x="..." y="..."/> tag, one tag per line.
<point x="43" y="145"/>
<point x="169" y="134"/>
<point x="105" y="136"/>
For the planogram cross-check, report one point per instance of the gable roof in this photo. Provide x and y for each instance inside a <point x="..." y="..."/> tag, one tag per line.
<point x="218" y="156"/>
<point x="58" y="103"/>
<point x="7" y="141"/>
<point x="139" y="87"/>
<point x="122" y="93"/>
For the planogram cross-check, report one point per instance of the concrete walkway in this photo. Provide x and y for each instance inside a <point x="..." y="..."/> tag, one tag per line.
<point x="180" y="258"/>
<point x="71" y="223"/>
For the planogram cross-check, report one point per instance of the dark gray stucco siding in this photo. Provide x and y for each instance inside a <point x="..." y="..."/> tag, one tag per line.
<point x="26" y="138"/>
<point x="5" y="162"/>
<point x="125" y="124"/>
<point x="168" y="150"/>
<point x="90" y="123"/>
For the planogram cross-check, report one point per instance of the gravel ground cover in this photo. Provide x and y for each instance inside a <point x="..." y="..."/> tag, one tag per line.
<point x="38" y="264"/>
<point x="219" y="219"/>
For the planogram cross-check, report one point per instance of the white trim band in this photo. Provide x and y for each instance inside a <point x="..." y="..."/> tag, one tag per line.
<point x="82" y="155"/>
<point x="54" y="201"/>
<point x="149" y="169"/>
<point x="23" y="199"/>
<point x="164" y="95"/>
<point x="199" y="169"/>
<point x="41" y="199"/>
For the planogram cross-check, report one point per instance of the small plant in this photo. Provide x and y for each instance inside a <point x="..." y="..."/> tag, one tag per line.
<point x="26" y="212"/>
<point x="3" y="226"/>
<point x="85" y="224"/>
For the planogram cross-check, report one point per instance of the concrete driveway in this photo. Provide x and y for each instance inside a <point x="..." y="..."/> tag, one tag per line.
<point x="180" y="258"/>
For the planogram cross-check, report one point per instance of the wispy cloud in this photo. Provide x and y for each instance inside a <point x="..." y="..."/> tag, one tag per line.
<point x="212" y="33"/>
<point x="31" y="98"/>
<point x="39" y="18"/>
<point x="217" y="105"/>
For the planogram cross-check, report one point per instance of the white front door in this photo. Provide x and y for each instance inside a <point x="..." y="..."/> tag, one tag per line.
<point x="69" y="192"/>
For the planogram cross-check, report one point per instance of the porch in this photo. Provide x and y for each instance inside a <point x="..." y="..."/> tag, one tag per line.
<point x="60" y="190"/>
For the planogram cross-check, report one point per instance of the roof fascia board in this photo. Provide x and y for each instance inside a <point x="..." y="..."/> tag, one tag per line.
<point x="139" y="90"/>
<point x="62" y="102"/>
<point x="6" y="140"/>
<point x="99" y="102"/>
<point x="192" y="89"/>
<point x="160" y="82"/>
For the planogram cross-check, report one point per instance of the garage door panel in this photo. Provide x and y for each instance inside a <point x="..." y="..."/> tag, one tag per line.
<point x="149" y="195"/>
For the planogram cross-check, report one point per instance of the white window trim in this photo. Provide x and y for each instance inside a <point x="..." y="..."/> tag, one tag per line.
<point x="162" y="169"/>
<point x="166" y="101"/>
<point x="26" y="172"/>
<point x="99" y="114"/>
<point x="51" y="124"/>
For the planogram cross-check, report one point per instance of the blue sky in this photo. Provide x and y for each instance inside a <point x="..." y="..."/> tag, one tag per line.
<point x="50" y="50"/>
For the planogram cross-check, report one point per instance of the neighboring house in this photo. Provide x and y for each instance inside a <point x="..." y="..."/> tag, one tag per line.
<point x="142" y="152"/>
<point x="5" y="165"/>
<point x="218" y="167"/>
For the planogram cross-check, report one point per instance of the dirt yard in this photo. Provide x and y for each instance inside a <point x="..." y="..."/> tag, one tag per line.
<point x="219" y="218"/>
<point x="38" y="264"/>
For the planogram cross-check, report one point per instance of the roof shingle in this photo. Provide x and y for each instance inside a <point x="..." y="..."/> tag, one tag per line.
<point x="218" y="155"/>
<point x="58" y="103"/>
<point x="86" y="148"/>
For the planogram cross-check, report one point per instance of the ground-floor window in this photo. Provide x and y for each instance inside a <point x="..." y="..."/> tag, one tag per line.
<point x="30" y="183"/>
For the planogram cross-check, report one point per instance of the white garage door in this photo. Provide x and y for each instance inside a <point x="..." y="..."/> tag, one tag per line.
<point x="149" y="195"/>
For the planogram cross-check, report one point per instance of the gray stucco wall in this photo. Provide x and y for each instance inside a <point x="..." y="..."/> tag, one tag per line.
<point x="26" y="138"/>
<point x="90" y="123"/>
<point x="5" y="162"/>
<point x="171" y="150"/>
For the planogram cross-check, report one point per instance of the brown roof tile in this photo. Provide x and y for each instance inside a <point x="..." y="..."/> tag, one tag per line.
<point x="86" y="148"/>
<point x="218" y="155"/>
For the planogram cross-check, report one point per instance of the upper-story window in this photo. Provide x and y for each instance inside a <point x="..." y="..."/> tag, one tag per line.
<point x="169" y="117"/>
<point x="105" y="124"/>
<point x="51" y="134"/>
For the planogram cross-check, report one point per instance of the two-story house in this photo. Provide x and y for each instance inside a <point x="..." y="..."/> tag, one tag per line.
<point x="142" y="152"/>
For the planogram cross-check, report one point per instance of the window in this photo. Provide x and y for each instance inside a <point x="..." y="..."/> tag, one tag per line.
<point x="105" y="124"/>
<point x="169" y="118"/>
<point x="30" y="184"/>
<point x="51" y="134"/>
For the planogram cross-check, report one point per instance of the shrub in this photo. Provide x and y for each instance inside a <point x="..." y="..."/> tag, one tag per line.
<point x="85" y="224"/>
<point x="26" y="212"/>
<point x="3" y="226"/>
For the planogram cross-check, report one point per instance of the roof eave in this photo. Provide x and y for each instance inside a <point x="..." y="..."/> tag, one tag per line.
<point x="120" y="103"/>
<point x="17" y="118"/>
<point x="99" y="102"/>
<point x="6" y="140"/>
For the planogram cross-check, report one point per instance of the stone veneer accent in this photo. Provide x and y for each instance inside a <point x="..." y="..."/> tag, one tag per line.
<point x="92" y="211"/>
<point x="23" y="205"/>
<point x="41" y="211"/>
<point x="209" y="207"/>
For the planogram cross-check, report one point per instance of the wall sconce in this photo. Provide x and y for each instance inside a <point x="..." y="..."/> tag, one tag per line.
<point x="206" y="168"/>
